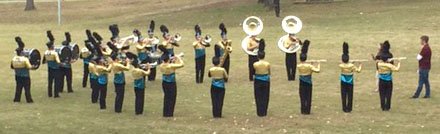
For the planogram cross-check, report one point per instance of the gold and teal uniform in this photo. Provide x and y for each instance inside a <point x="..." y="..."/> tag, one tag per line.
<point x="347" y="82"/>
<point x="220" y="49"/>
<point x="218" y="75"/>
<point x="139" y="88"/>
<point x="385" y="71"/>
<point x="305" y="71"/>
<point x="169" y="85"/>
<point x="21" y="66"/>
<point x="142" y="51"/>
<point x="262" y="86"/>
<point x="102" y="72"/>
<point x="119" y="82"/>
<point x="290" y="59"/>
<point x="169" y="46"/>
<point x="53" y="64"/>
<point x="86" y="57"/>
<point x="200" y="58"/>
<point x="252" y="44"/>
<point x="93" y="82"/>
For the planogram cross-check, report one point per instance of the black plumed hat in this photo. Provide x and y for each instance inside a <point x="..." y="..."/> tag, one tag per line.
<point x="345" y="57"/>
<point x="50" y="35"/>
<point x="198" y="31"/>
<point x="304" y="50"/>
<point x="97" y="36"/>
<point x="19" y="42"/>
<point x="262" y="45"/>
<point x="164" y="30"/>
<point x="114" y="29"/>
<point x="223" y="30"/>
<point x="151" y="28"/>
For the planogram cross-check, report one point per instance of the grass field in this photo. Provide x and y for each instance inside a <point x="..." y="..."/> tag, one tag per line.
<point x="362" y="23"/>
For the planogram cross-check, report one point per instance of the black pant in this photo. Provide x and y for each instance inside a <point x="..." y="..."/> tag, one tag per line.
<point x="119" y="89"/>
<point x="347" y="96"/>
<point x="139" y="101"/>
<point x="23" y="83"/>
<point x="305" y="94"/>
<point x="261" y="92"/>
<point x="251" y="60"/>
<point x="66" y="73"/>
<point x="169" y="100"/>
<point x="95" y="90"/>
<point x="152" y="75"/>
<point x="217" y="97"/>
<point x="102" y="95"/>
<point x="85" y="75"/>
<point x="385" y="92"/>
<point x="277" y="7"/>
<point x="200" y="69"/>
<point x="291" y="66"/>
<point x="54" y="82"/>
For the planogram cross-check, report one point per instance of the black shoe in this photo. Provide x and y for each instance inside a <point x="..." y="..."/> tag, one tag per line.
<point x="71" y="91"/>
<point x="56" y="96"/>
<point x="415" y="97"/>
<point x="17" y="101"/>
<point x="426" y="97"/>
<point x="31" y="101"/>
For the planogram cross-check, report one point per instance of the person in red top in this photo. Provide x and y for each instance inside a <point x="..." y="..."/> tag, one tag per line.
<point x="424" y="58"/>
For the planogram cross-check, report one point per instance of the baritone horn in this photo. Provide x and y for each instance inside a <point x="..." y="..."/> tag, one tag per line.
<point x="252" y="26"/>
<point x="288" y="43"/>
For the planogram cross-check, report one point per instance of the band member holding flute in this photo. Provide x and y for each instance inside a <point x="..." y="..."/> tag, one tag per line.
<point x="347" y="80"/>
<point x="200" y="53"/>
<point x="119" y="80"/>
<point x="385" y="69"/>
<point x="21" y="66"/>
<point x="219" y="76"/>
<point x="168" y="68"/>
<point x="305" y="70"/>
<point x="139" y="72"/>
<point x="223" y="48"/>
<point x="261" y="81"/>
<point x="53" y="65"/>
<point x="424" y="58"/>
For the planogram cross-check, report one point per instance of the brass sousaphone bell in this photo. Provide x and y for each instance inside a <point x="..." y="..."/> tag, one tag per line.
<point x="252" y="26"/>
<point x="291" y="25"/>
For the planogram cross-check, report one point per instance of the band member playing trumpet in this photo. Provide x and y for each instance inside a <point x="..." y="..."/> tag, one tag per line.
<point x="347" y="79"/>
<point x="119" y="80"/>
<point x="93" y="80"/>
<point x="262" y="81"/>
<point x="53" y="65"/>
<point x="139" y="72"/>
<point x="200" y="54"/>
<point x="385" y="69"/>
<point x="102" y="69"/>
<point x="169" y="41"/>
<point x="152" y="48"/>
<point x="21" y="66"/>
<point x="168" y="68"/>
<point x="141" y="46"/>
<point x="66" y="67"/>
<point x="305" y="70"/>
<point x="219" y="76"/>
<point x="223" y="48"/>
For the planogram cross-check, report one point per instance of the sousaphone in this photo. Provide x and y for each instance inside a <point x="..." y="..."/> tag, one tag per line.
<point x="291" y="25"/>
<point x="252" y="26"/>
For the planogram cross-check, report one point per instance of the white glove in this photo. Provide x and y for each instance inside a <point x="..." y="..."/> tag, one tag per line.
<point x="419" y="57"/>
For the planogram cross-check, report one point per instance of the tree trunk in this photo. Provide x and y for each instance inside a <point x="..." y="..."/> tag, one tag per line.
<point x="29" y="5"/>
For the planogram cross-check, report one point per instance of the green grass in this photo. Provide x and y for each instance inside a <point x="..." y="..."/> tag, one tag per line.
<point x="326" y="25"/>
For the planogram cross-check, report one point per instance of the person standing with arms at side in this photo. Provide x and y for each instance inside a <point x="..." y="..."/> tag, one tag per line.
<point x="66" y="67"/>
<point x="168" y="68"/>
<point x="386" y="68"/>
<point x="21" y="66"/>
<point x="305" y="71"/>
<point x="218" y="75"/>
<point x="347" y="80"/>
<point x="262" y="81"/>
<point x="53" y="65"/>
<point x="139" y="74"/>
<point x="200" y="54"/>
<point x="119" y="80"/>
<point x="424" y="58"/>
<point x="223" y="48"/>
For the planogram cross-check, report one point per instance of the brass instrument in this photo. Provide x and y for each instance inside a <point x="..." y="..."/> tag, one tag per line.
<point x="206" y="40"/>
<point x="227" y="51"/>
<point x="177" y="37"/>
<point x="252" y="26"/>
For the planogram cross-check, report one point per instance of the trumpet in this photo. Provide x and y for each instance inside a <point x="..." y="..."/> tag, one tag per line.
<point x="397" y="58"/>
<point x="180" y="55"/>
<point x="316" y="61"/>
<point x="206" y="40"/>
<point x="177" y="37"/>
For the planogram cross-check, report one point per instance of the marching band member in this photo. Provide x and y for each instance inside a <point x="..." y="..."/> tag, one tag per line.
<point x="169" y="41"/>
<point x="52" y="59"/>
<point x="152" y="48"/>
<point x="66" y="67"/>
<point x="385" y="70"/>
<point x="21" y="66"/>
<point x="305" y="79"/>
<point x="119" y="80"/>
<point x="223" y="48"/>
<point x="262" y="81"/>
<point x="291" y="57"/>
<point x="169" y="86"/>
<point x="139" y="74"/>
<point x="102" y="71"/>
<point x="93" y="80"/>
<point x="141" y="47"/>
<point x="252" y="44"/>
<point x="424" y="58"/>
<point x="219" y="76"/>
<point x="200" y="54"/>
<point x="347" y="79"/>
<point x="87" y="55"/>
